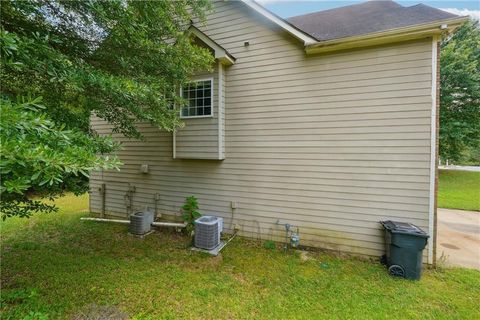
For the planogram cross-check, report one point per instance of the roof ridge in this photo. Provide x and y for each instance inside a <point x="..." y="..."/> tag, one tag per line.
<point x="369" y="2"/>
<point x="417" y="5"/>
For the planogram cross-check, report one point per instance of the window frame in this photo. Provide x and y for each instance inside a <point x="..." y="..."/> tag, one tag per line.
<point x="211" y="79"/>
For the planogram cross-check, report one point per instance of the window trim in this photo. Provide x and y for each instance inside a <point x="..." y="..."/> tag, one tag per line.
<point x="211" y="115"/>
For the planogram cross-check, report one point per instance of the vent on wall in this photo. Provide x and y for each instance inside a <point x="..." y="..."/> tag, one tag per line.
<point x="207" y="232"/>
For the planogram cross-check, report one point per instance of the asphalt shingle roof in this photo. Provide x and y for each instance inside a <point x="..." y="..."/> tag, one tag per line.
<point x="364" y="18"/>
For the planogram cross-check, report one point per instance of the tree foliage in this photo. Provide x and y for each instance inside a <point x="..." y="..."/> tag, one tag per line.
<point x="62" y="61"/>
<point x="121" y="60"/>
<point x="38" y="156"/>
<point x="460" y="95"/>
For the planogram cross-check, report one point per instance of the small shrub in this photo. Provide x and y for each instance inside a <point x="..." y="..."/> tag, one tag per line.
<point x="190" y="213"/>
<point x="269" y="245"/>
<point x="17" y="296"/>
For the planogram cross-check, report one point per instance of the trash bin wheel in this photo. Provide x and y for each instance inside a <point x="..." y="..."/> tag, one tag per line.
<point x="396" y="271"/>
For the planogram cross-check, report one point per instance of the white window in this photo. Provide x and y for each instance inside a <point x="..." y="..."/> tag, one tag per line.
<point x="199" y="95"/>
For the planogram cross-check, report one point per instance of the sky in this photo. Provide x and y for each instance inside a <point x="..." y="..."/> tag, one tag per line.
<point x="290" y="8"/>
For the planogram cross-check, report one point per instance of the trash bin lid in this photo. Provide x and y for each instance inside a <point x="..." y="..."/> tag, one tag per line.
<point x="403" y="227"/>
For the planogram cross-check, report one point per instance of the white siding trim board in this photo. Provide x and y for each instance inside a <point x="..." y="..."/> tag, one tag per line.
<point x="221" y="110"/>
<point x="433" y="152"/>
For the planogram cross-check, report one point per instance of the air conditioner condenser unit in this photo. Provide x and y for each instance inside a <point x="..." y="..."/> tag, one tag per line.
<point x="208" y="230"/>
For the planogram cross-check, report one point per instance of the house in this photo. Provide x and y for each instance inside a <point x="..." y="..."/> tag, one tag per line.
<point x="327" y="121"/>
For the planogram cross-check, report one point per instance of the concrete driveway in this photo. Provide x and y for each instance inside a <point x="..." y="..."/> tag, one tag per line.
<point x="458" y="242"/>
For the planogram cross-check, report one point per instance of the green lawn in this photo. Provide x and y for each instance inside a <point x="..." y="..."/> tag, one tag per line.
<point x="459" y="190"/>
<point x="60" y="267"/>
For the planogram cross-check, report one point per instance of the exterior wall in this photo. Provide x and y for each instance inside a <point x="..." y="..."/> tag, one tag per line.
<point x="330" y="143"/>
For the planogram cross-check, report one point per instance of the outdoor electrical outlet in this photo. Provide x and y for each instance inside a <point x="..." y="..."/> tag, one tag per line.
<point x="233" y="204"/>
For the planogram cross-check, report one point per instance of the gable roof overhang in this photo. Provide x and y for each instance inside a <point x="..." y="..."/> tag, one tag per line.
<point x="294" y="31"/>
<point x="219" y="52"/>
<point x="313" y="46"/>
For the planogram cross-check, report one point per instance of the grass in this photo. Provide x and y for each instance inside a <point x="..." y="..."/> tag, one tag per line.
<point x="459" y="190"/>
<point x="58" y="267"/>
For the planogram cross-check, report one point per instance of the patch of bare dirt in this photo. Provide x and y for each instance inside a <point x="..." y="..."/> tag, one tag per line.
<point x="305" y="256"/>
<point x="96" y="312"/>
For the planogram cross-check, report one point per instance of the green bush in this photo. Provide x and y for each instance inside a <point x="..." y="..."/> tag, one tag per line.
<point x="190" y="213"/>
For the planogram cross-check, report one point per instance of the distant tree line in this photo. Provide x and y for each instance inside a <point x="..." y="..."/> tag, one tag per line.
<point x="460" y="96"/>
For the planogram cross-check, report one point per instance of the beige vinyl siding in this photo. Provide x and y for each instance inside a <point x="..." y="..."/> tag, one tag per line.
<point x="332" y="143"/>
<point x="203" y="144"/>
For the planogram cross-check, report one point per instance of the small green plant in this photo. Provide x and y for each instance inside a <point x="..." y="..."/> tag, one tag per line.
<point x="17" y="296"/>
<point x="269" y="244"/>
<point x="190" y="213"/>
<point x="35" y="316"/>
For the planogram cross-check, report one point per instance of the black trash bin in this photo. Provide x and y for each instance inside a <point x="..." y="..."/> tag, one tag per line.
<point x="404" y="244"/>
